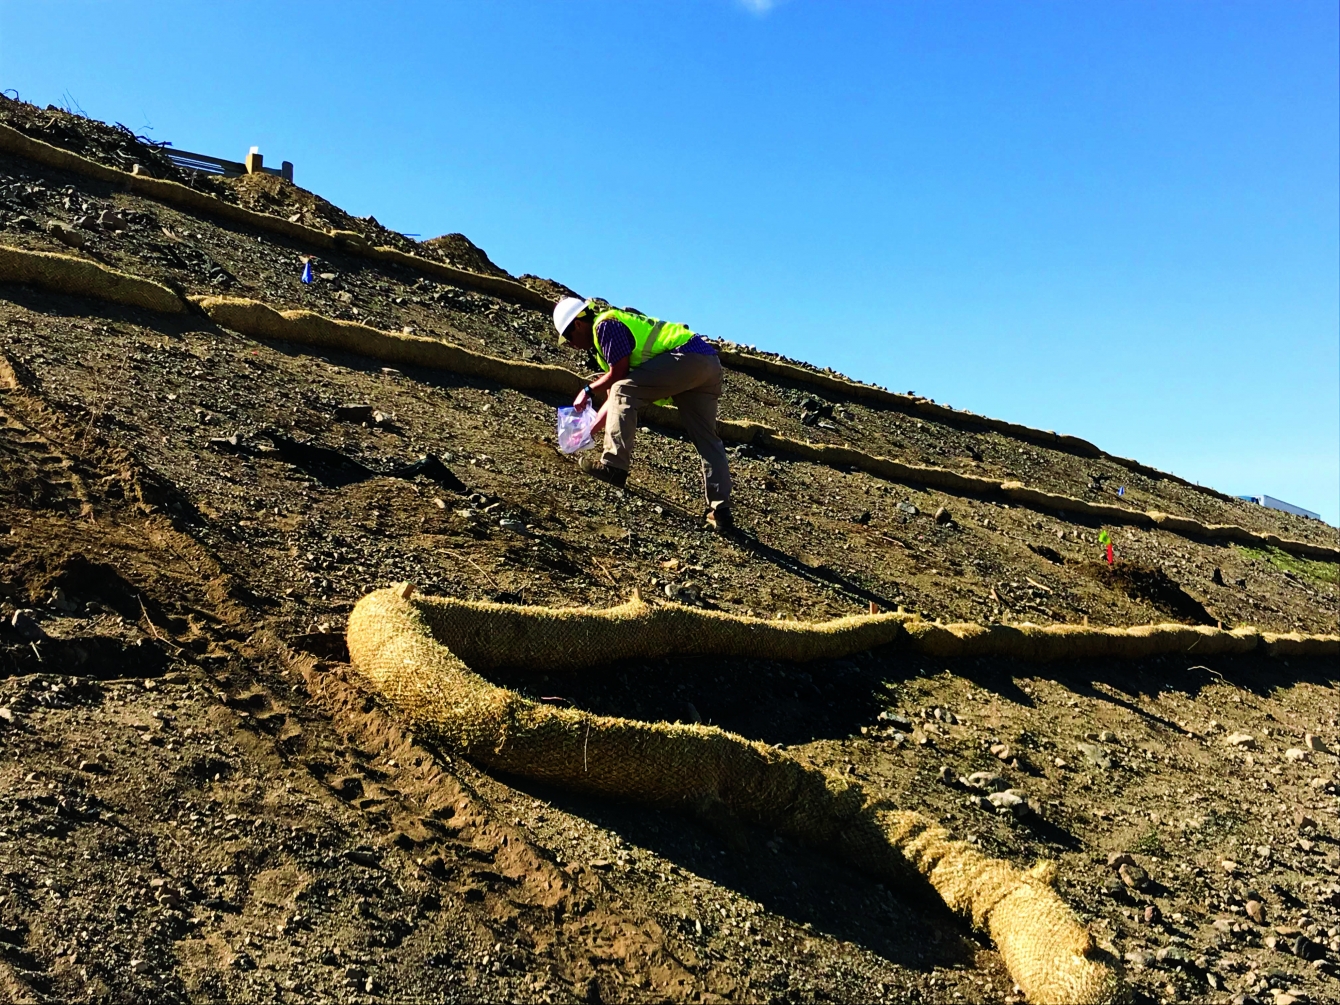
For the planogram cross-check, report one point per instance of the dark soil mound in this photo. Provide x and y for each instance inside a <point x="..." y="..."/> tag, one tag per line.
<point x="460" y="251"/>
<point x="1152" y="585"/>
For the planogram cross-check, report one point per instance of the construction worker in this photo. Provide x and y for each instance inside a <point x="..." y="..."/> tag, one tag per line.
<point x="645" y="361"/>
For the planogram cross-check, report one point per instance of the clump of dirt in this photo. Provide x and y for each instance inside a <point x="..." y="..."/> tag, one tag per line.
<point x="551" y="288"/>
<point x="460" y="251"/>
<point x="80" y="582"/>
<point x="268" y="193"/>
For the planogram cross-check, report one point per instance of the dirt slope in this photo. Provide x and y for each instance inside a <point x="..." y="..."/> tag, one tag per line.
<point x="199" y="804"/>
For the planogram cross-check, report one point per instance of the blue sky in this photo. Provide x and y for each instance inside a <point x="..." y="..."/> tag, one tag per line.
<point x="1115" y="220"/>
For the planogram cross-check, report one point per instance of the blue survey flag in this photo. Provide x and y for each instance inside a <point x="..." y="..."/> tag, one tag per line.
<point x="307" y="272"/>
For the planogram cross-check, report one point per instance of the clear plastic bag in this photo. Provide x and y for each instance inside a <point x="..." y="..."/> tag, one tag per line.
<point x="574" y="428"/>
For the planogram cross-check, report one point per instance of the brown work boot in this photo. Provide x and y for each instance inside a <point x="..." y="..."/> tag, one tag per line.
<point x="721" y="521"/>
<point x="591" y="463"/>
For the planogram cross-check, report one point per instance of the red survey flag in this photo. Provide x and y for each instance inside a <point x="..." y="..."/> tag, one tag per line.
<point x="1105" y="538"/>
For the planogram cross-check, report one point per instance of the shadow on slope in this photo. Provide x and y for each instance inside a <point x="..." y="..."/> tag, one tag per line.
<point x="807" y="887"/>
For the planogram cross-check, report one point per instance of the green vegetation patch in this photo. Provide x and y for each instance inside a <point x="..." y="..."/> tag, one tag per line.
<point x="1149" y="843"/>
<point x="1322" y="572"/>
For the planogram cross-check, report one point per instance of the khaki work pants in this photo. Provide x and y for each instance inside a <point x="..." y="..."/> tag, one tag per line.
<point x="693" y="380"/>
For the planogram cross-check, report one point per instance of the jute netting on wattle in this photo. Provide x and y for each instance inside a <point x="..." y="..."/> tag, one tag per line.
<point x="418" y="654"/>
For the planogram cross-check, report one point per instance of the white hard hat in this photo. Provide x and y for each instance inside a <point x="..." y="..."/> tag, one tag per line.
<point x="566" y="310"/>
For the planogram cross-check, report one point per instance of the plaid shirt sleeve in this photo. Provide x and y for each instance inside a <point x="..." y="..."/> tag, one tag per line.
<point x="616" y="341"/>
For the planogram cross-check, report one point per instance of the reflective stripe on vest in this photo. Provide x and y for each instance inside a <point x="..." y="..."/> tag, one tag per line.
<point x="650" y="337"/>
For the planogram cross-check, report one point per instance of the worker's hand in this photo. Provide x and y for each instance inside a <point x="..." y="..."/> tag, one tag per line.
<point x="582" y="400"/>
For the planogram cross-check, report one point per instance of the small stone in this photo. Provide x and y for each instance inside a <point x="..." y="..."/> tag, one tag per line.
<point x="1008" y="800"/>
<point x="140" y="966"/>
<point x="7" y="715"/>
<point x="908" y="508"/>
<point x="61" y="602"/>
<point x="943" y="516"/>
<point x="1138" y="958"/>
<point x="1095" y="755"/>
<point x="1117" y="859"/>
<point x="1295" y="754"/>
<point x="1229" y="866"/>
<point x="1134" y="877"/>
<point x="1301" y="819"/>
<point x="435" y="866"/>
<point x="987" y="781"/>
<point x="66" y="234"/>
<point x="946" y="775"/>
<point x="25" y="623"/>
<point x="1243" y="741"/>
<point x="1152" y="914"/>
<point x="1314" y="742"/>
<point x="1001" y="750"/>
<point x="1256" y="911"/>
<point x="1175" y="954"/>
<point x="515" y="526"/>
<point x="1107" y="736"/>
<point x="353" y="413"/>
<point x="1305" y="949"/>
<point x="898" y="722"/>
<point x="110" y="219"/>
<point x="225" y="444"/>
<point x="92" y="767"/>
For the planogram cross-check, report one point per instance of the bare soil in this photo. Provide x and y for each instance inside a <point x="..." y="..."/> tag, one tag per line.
<point x="199" y="803"/>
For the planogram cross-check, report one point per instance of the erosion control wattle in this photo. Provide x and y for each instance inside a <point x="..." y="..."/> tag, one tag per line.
<point x="60" y="273"/>
<point x="13" y="141"/>
<point x="256" y="319"/>
<point x="421" y="654"/>
<point x="82" y="277"/>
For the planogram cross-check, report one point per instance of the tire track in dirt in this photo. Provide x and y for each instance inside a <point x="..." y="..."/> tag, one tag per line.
<point x="436" y="817"/>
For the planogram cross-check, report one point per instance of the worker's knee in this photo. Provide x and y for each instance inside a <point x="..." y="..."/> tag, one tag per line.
<point x="623" y="394"/>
